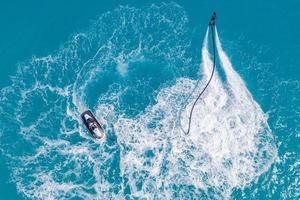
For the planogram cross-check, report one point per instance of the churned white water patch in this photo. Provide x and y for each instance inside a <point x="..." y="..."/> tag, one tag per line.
<point x="50" y="153"/>
<point x="146" y="155"/>
<point x="230" y="143"/>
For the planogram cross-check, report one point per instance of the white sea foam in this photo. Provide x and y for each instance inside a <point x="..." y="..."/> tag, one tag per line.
<point x="230" y="143"/>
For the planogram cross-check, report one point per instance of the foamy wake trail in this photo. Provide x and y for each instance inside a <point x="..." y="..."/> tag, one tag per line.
<point x="215" y="94"/>
<point x="229" y="146"/>
<point x="235" y="82"/>
<point x="52" y="156"/>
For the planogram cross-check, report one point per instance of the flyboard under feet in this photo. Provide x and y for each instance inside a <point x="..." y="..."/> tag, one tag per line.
<point x="92" y="124"/>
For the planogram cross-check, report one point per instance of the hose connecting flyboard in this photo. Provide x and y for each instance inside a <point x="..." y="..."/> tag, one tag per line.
<point x="212" y="27"/>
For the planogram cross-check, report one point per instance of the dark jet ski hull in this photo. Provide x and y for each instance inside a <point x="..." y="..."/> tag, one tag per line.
<point x="92" y="124"/>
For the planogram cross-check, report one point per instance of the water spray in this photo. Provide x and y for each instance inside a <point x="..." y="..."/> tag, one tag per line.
<point x="212" y="24"/>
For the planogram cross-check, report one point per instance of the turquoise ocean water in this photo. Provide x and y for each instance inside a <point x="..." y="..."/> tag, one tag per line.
<point x="133" y="64"/>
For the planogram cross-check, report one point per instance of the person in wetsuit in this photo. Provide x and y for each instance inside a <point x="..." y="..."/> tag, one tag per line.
<point x="212" y="21"/>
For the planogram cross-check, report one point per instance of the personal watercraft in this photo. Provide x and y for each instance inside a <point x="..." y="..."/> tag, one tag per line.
<point x="92" y="124"/>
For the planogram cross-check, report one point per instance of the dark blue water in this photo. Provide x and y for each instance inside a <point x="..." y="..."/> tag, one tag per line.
<point x="133" y="64"/>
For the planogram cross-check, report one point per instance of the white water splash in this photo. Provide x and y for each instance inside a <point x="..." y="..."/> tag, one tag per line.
<point x="230" y="143"/>
<point x="225" y="149"/>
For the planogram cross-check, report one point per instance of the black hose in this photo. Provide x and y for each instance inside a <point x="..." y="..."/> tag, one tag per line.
<point x="207" y="84"/>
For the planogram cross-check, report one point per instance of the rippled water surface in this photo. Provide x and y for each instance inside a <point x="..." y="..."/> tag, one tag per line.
<point x="134" y="65"/>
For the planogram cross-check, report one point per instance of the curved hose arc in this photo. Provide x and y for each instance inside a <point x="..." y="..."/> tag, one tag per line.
<point x="205" y="87"/>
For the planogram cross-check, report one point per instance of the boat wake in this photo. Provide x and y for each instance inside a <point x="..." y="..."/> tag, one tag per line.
<point x="131" y="73"/>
